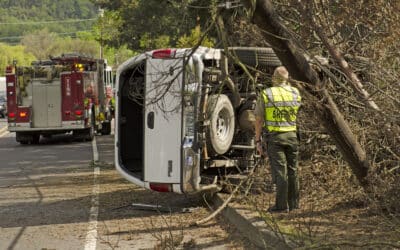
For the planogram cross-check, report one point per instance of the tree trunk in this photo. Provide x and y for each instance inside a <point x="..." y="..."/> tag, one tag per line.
<point x="289" y="52"/>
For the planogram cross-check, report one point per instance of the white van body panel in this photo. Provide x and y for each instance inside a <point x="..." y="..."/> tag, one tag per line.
<point x="162" y="154"/>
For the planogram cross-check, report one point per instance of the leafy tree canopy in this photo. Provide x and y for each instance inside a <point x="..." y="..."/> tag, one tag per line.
<point x="150" y="24"/>
<point x="10" y="53"/>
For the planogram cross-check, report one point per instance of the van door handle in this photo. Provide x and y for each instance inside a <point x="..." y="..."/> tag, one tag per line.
<point x="150" y="120"/>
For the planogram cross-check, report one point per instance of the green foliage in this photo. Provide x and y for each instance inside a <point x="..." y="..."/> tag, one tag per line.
<point x="74" y="45"/>
<point x="105" y="30"/>
<point x="147" y="41"/>
<point x="27" y="22"/>
<point x="18" y="17"/>
<point x="116" y="56"/>
<point x="194" y="38"/>
<point x="126" y="24"/>
<point x="42" y="44"/>
<point x="39" y="43"/>
<point x="149" y="24"/>
<point x="10" y="53"/>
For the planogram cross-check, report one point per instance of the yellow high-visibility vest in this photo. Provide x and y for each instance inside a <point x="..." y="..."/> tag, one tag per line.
<point x="281" y="106"/>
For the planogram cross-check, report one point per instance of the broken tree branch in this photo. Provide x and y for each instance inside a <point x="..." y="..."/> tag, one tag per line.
<point x="226" y="202"/>
<point x="356" y="83"/>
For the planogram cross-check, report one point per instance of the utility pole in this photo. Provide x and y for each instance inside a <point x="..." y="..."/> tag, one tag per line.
<point x="101" y="15"/>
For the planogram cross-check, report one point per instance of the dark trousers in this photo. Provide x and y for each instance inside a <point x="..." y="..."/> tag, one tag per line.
<point x="282" y="149"/>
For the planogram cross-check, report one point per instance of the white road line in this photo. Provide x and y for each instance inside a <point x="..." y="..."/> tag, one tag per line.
<point x="3" y="131"/>
<point x="4" y="134"/>
<point x="95" y="152"/>
<point x="91" y="236"/>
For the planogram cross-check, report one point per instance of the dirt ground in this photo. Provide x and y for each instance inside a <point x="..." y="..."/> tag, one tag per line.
<point x="332" y="214"/>
<point x="121" y="225"/>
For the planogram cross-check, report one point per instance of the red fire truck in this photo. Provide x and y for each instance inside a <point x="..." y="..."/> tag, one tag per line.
<point x="61" y="95"/>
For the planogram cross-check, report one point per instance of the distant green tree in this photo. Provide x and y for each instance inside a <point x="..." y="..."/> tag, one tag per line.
<point x="18" y="18"/>
<point x="116" y="56"/>
<point x="149" y="24"/>
<point x="42" y="44"/>
<point x="39" y="43"/>
<point x="69" y="45"/>
<point x="10" y="53"/>
<point x="188" y="41"/>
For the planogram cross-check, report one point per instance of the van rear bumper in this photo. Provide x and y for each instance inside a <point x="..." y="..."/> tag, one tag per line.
<point x="176" y="187"/>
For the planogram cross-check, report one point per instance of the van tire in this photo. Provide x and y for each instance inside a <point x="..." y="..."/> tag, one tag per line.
<point x="221" y="128"/>
<point x="256" y="57"/>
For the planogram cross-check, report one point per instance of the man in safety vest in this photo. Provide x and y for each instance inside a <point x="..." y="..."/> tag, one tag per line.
<point x="276" y="114"/>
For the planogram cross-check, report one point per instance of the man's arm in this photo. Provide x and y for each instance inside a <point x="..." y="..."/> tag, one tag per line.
<point x="258" y="127"/>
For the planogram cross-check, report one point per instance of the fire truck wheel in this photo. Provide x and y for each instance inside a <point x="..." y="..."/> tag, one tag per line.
<point x="35" y="139"/>
<point x="23" y="138"/>
<point x="222" y="124"/>
<point x="90" y="134"/>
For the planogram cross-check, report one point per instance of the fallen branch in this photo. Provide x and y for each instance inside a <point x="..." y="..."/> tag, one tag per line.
<point x="226" y="202"/>
<point x="337" y="56"/>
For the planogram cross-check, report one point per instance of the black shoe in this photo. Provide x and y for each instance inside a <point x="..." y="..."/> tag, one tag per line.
<point x="293" y="208"/>
<point x="274" y="209"/>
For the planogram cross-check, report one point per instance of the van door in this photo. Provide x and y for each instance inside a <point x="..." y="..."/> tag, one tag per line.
<point x="163" y="120"/>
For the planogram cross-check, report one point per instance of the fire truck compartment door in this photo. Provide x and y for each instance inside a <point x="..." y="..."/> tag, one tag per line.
<point x="46" y="104"/>
<point x="163" y="125"/>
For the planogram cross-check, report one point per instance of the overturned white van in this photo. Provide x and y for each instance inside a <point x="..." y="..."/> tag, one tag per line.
<point x="184" y="117"/>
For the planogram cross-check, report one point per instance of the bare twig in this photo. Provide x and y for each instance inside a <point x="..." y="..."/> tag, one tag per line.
<point x="226" y="202"/>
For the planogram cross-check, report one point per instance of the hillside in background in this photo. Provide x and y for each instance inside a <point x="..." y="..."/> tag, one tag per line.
<point x="66" y="17"/>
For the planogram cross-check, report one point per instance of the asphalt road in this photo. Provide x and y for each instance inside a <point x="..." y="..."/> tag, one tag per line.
<point x="45" y="193"/>
<point x="53" y="196"/>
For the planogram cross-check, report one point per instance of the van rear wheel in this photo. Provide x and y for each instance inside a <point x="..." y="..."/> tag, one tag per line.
<point x="222" y="124"/>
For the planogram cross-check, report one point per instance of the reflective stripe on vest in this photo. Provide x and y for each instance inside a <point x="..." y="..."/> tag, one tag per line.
<point x="281" y="106"/>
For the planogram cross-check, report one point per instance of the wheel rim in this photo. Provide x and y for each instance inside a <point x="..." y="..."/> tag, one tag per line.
<point x="222" y="124"/>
